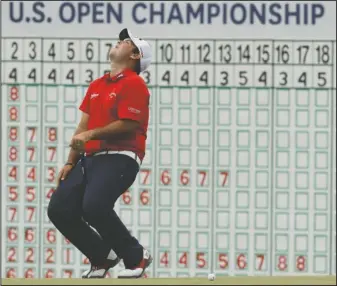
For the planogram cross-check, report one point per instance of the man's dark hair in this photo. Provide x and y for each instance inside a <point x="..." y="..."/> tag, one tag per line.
<point x="137" y="66"/>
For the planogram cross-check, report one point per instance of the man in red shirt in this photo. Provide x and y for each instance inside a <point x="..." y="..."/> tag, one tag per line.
<point x="106" y="153"/>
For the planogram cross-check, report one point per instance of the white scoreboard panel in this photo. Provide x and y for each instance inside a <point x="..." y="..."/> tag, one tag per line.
<point x="239" y="166"/>
<point x="240" y="172"/>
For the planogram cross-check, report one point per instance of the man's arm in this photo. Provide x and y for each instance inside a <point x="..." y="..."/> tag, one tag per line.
<point x="74" y="155"/>
<point x="114" y="129"/>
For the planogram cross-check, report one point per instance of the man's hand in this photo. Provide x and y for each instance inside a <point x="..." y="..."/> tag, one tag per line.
<point x="79" y="140"/>
<point x="63" y="173"/>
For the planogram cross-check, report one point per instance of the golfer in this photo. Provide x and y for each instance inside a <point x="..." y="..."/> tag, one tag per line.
<point x="107" y="150"/>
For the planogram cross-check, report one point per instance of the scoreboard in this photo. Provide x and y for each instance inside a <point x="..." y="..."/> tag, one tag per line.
<point x="240" y="172"/>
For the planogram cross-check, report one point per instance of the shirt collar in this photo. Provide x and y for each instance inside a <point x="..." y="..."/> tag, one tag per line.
<point x="122" y="74"/>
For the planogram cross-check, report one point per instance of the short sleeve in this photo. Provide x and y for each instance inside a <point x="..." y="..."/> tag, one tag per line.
<point x="134" y="101"/>
<point x="85" y="105"/>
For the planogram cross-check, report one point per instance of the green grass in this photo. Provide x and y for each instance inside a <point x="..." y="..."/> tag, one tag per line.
<point x="293" y="280"/>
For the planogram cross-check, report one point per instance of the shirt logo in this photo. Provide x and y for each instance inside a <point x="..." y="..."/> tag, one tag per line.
<point x="134" y="110"/>
<point x="94" y="95"/>
<point x="112" y="95"/>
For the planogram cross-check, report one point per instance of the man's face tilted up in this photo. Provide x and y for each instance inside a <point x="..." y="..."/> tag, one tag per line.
<point x="123" y="52"/>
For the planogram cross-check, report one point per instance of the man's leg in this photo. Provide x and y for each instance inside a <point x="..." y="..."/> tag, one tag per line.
<point x="65" y="212"/>
<point x="108" y="177"/>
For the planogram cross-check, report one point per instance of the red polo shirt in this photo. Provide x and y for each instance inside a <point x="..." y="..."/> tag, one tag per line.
<point x="123" y="96"/>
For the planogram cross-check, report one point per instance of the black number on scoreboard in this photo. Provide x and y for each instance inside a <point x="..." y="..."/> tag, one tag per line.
<point x="282" y="54"/>
<point x="303" y="78"/>
<point x="323" y="54"/>
<point x="185" y="53"/>
<point x="302" y="52"/>
<point x="283" y="78"/>
<point x="13" y="74"/>
<point x="244" y="53"/>
<point x="71" y="75"/>
<point x="32" y="75"/>
<point x="89" y="52"/>
<point x="185" y="77"/>
<point x="15" y="48"/>
<point x="263" y="54"/>
<point x="52" y="75"/>
<point x="32" y="52"/>
<point x="71" y="51"/>
<point x="166" y="77"/>
<point x="243" y="78"/>
<point x="225" y="53"/>
<point x="90" y="74"/>
<point x="147" y="77"/>
<point x="109" y="46"/>
<point x="166" y="52"/>
<point x="263" y="78"/>
<point x="322" y="79"/>
<point x="204" y="53"/>
<point x="51" y="51"/>
<point x="224" y="78"/>
<point x="204" y="77"/>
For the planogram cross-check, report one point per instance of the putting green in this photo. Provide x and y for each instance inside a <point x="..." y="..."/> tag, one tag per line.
<point x="297" y="280"/>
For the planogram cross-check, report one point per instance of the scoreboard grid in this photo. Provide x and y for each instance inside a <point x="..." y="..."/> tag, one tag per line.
<point x="234" y="102"/>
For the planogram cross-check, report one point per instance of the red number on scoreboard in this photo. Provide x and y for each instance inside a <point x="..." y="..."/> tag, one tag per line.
<point x="29" y="273"/>
<point x="67" y="273"/>
<point x="224" y="176"/>
<point x="282" y="263"/>
<point x="67" y="255"/>
<point x="13" y="113"/>
<point x="12" y="193"/>
<point x="30" y="257"/>
<point x="127" y="197"/>
<point x="52" y="134"/>
<point x="51" y="174"/>
<point x="202" y="176"/>
<point x="185" y="178"/>
<point x="13" y="134"/>
<point x="144" y="197"/>
<point x="165" y="177"/>
<point x="183" y="259"/>
<point x="85" y="260"/>
<point x="13" y="154"/>
<point x="30" y="194"/>
<point x="12" y="234"/>
<point x="31" y="134"/>
<point x="12" y="213"/>
<point x="164" y="259"/>
<point x="13" y="173"/>
<point x="51" y="154"/>
<point x="49" y="193"/>
<point x="11" y="273"/>
<point x="260" y="261"/>
<point x="29" y="235"/>
<point x="11" y="256"/>
<point x="50" y="256"/>
<point x="223" y="260"/>
<point x="30" y="212"/>
<point x="14" y="93"/>
<point x="300" y="263"/>
<point x="201" y="261"/>
<point x="31" y="154"/>
<point x="146" y="177"/>
<point x="31" y="174"/>
<point x="51" y="235"/>
<point x="241" y="261"/>
<point x="50" y="273"/>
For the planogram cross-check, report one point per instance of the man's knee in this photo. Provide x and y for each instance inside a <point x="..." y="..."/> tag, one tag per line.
<point x="60" y="207"/>
<point x="94" y="213"/>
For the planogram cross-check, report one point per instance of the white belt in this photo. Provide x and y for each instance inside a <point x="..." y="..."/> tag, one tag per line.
<point x="131" y="154"/>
